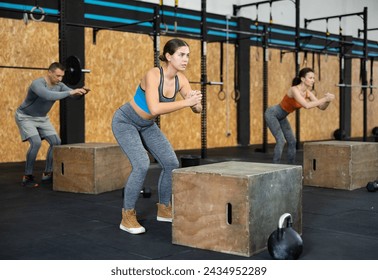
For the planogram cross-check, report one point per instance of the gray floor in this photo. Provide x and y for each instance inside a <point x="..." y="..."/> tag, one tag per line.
<point x="38" y="224"/>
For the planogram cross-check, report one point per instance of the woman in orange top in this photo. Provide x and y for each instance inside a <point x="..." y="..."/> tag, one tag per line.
<point x="299" y="95"/>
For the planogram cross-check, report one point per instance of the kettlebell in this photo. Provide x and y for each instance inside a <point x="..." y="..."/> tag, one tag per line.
<point x="285" y="243"/>
<point x="372" y="186"/>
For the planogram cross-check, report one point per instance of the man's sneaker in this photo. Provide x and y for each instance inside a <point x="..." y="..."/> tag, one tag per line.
<point x="47" y="177"/>
<point x="28" y="181"/>
<point x="129" y="222"/>
<point x="164" y="213"/>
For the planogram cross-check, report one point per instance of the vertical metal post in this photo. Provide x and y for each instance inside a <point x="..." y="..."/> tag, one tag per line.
<point x="157" y="21"/>
<point x="265" y="87"/>
<point x="242" y="84"/>
<point x="364" y="76"/>
<point x="297" y="65"/>
<point x="71" y="42"/>
<point x="203" y="80"/>
<point x="62" y="30"/>
<point x="341" y="89"/>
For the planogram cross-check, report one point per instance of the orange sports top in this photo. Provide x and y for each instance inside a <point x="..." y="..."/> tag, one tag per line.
<point x="289" y="104"/>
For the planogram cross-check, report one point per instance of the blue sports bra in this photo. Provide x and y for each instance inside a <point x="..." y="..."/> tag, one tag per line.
<point x="140" y="94"/>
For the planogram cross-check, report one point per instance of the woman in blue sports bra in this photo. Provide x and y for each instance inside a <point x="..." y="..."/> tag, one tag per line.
<point x="135" y="130"/>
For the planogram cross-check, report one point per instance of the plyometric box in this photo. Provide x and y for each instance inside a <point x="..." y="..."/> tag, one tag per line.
<point x="344" y="165"/>
<point x="233" y="207"/>
<point x="89" y="168"/>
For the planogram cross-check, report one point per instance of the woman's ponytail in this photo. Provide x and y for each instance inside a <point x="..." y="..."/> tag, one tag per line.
<point x="302" y="74"/>
<point x="296" y="81"/>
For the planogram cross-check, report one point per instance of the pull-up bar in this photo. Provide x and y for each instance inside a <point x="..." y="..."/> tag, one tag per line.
<point x="327" y="18"/>
<point x="362" y="31"/>
<point x="238" y="7"/>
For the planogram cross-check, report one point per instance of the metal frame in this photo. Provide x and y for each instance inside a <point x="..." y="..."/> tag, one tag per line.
<point x="364" y="58"/>
<point x="203" y="80"/>
<point x="266" y="44"/>
<point x="236" y="8"/>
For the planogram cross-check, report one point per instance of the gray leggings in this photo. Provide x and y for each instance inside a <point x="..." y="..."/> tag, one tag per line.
<point x="35" y="143"/>
<point x="278" y="124"/>
<point x="134" y="135"/>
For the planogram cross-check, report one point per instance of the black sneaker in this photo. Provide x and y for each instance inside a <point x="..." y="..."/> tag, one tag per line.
<point x="28" y="181"/>
<point x="47" y="177"/>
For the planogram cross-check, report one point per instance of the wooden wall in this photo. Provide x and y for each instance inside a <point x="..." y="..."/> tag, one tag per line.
<point x="357" y="103"/>
<point x="34" y="44"/>
<point x="315" y="124"/>
<point x="119" y="60"/>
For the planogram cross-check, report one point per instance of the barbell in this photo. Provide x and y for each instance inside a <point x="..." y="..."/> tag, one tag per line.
<point x="72" y="75"/>
<point x="74" y="72"/>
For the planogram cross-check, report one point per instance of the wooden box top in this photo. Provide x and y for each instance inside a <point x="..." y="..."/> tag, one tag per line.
<point x="339" y="143"/>
<point x="86" y="146"/>
<point x="236" y="168"/>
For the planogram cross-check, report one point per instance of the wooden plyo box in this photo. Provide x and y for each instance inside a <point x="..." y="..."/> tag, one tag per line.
<point x="89" y="168"/>
<point x="232" y="207"/>
<point x="344" y="165"/>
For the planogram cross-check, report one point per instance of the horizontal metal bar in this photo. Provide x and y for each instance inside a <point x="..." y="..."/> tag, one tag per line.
<point x="96" y="27"/>
<point x="339" y="16"/>
<point x="238" y="7"/>
<point x="357" y="86"/>
<point x="23" y="67"/>
<point x="29" y="12"/>
<point x="180" y="33"/>
<point x="115" y="28"/>
<point x="208" y="83"/>
<point x="134" y="23"/>
<point x="235" y="31"/>
<point x="281" y="47"/>
<point x="35" y="68"/>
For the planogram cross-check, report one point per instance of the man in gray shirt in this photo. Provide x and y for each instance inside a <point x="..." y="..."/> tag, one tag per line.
<point x="33" y="122"/>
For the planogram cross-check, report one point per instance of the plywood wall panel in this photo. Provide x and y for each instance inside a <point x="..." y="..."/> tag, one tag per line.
<point x="183" y="128"/>
<point x="314" y="124"/>
<point x="372" y="106"/>
<point x="357" y="100"/>
<point x="119" y="60"/>
<point x="320" y="124"/>
<point x="33" y="45"/>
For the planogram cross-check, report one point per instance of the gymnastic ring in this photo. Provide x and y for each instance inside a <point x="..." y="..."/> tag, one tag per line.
<point x="38" y="9"/>
<point x="235" y="95"/>
<point x="361" y="96"/>
<point x="221" y="95"/>
<point x="371" y="97"/>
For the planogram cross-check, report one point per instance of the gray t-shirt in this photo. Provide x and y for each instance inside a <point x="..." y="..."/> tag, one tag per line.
<point x="40" y="97"/>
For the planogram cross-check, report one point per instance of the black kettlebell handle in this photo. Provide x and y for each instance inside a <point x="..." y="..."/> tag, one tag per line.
<point x="287" y="217"/>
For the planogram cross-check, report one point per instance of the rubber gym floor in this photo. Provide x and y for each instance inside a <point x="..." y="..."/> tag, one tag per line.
<point x="40" y="224"/>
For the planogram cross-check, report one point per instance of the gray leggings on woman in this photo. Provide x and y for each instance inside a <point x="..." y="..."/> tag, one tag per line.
<point x="134" y="135"/>
<point x="279" y="125"/>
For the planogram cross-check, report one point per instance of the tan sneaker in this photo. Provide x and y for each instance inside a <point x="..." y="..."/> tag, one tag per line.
<point x="129" y="222"/>
<point x="164" y="213"/>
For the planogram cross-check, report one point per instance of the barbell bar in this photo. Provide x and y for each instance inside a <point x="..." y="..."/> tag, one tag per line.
<point x="72" y="75"/>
